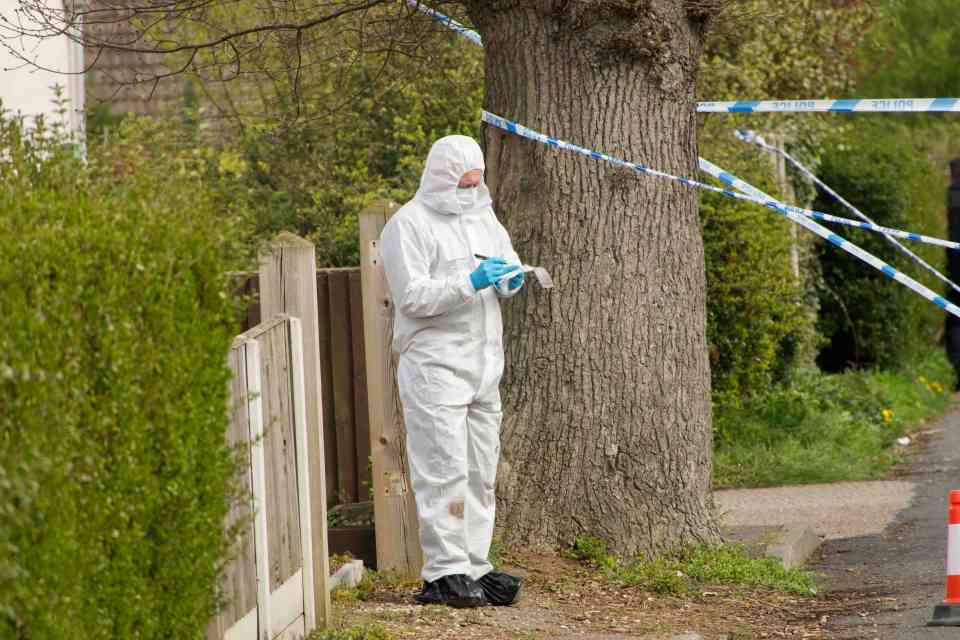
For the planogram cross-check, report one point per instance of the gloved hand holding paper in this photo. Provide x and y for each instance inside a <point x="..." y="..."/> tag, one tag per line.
<point x="541" y="274"/>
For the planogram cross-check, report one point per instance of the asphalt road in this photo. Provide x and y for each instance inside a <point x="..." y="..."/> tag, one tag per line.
<point x="901" y="566"/>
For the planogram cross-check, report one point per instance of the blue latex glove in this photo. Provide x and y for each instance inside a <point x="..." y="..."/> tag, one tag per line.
<point x="489" y="271"/>
<point x="515" y="282"/>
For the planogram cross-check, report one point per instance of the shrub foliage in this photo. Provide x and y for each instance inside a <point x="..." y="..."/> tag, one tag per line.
<point x="866" y="319"/>
<point x="114" y="328"/>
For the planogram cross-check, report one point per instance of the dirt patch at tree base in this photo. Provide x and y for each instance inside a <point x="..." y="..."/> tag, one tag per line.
<point x="563" y="598"/>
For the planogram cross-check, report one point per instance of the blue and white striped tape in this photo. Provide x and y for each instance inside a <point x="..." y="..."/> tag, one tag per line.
<point x="750" y="194"/>
<point x="868" y="226"/>
<point x="854" y="105"/>
<point x="768" y="201"/>
<point x="884" y="105"/>
<point x="823" y="232"/>
<point x="753" y="138"/>
<point x="448" y="22"/>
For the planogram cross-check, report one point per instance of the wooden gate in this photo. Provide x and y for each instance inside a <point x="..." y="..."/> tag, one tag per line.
<point x="268" y="587"/>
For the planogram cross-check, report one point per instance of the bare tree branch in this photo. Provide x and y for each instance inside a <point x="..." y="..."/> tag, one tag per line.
<point x="52" y="22"/>
<point x="266" y="62"/>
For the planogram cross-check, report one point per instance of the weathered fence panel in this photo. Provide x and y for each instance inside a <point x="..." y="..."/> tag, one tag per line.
<point x="343" y="390"/>
<point x="269" y="589"/>
<point x="288" y="285"/>
<point x="239" y="588"/>
<point x="284" y="548"/>
<point x="343" y="395"/>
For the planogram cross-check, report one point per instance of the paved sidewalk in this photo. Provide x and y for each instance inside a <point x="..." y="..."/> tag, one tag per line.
<point x="903" y="566"/>
<point x="841" y="510"/>
<point x="886" y="539"/>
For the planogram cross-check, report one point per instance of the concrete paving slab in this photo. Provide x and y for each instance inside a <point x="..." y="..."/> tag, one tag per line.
<point x="793" y="545"/>
<point x="839" y="510"/>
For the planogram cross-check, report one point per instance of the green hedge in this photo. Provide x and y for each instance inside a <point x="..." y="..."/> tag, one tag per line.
<point x="114" y="329"/>
<point x="867" y="319"/>
<point x="759" y="322"/>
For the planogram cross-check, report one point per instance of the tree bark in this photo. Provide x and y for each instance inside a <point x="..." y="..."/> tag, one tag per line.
<point x="607" y="427"/>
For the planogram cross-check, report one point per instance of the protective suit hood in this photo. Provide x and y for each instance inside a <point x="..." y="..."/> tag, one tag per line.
<point x="449" y="158"/>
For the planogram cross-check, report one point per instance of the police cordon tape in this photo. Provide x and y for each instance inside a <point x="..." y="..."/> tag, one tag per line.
<point x="448" y="22"/>
<point x="745" y="187"/>
<point x="847" y="105"/>
<point x="868" y="226"/>
<point x="873" y="261"/>
<point x="750" y="194"/>
<point x="752" y="137"/>
<point x="768" y="201"/>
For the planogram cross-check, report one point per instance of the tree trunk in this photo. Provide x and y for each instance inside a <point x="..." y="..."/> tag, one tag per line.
<point x="607" y="427"/>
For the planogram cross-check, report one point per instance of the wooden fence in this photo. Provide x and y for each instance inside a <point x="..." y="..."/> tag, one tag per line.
<point x="268" y="589"/>
<point x="343" y="378"/>
<point x="362" y="456"/>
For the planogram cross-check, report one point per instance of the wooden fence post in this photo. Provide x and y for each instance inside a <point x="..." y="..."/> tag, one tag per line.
<point x="288" y="284"/>
<point x="395" y="512"/>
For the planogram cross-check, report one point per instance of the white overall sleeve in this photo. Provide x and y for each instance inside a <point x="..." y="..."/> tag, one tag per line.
<point x="406" y="262"/>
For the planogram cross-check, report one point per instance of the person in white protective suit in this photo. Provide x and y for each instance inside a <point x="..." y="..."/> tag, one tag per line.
<point x="448" y="333"/>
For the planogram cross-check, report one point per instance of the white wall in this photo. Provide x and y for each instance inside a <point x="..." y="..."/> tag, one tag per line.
<point x="26" y="89"/>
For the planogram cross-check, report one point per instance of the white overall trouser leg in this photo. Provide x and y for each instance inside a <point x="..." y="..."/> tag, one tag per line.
<point x="453" y="453"/>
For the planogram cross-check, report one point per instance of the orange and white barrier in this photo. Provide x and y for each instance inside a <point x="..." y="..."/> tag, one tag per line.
<point x="947" y="614"/>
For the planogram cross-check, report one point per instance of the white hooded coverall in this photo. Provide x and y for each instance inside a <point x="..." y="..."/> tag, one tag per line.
<point x="449" y="337"/>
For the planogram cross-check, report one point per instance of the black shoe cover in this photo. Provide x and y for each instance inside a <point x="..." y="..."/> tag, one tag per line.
<point x="455" y="591"/>
<point x="501" y="589"/>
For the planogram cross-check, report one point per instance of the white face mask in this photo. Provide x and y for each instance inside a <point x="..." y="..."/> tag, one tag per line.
<point x="467" y="197"/>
